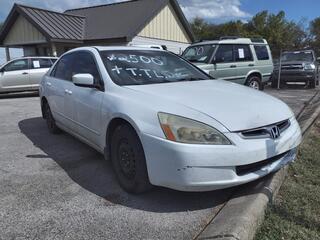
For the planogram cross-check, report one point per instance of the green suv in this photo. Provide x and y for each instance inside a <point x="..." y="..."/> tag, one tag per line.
<point x="240" y="60"/>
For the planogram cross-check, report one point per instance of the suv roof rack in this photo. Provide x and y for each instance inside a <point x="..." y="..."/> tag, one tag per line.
<point x="229" y="37"/>
<point x="257" y="40"/>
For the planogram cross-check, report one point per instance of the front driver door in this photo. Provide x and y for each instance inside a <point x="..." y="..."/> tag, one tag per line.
<point x="88" y="101"/>
<point x="15" y="76"/>
<point x="225" y="67"/>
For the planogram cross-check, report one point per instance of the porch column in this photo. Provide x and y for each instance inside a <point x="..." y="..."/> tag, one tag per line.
<point x="54" y="50"/>
<point x="8" y="54"/>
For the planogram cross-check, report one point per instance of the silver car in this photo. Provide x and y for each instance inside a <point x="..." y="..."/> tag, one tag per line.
<point x="24" y="74"/>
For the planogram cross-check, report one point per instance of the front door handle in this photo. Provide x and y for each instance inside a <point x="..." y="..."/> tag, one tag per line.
<point x="233" y="66"/>
<point x="251" y="65"/>
<point x="66" y="91"/>
<point x="25" y="73"/>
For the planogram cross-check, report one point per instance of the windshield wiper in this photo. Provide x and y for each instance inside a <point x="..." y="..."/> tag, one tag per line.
<point x="190" y="79"/>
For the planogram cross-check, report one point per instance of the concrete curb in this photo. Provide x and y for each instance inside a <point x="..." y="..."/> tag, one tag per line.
<point x="244" y="212"/>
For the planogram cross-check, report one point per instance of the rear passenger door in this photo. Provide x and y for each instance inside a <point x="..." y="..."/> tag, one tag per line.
<point x="244" y="62"/>
<point x="38" y="68"/>
<point x="60" y="86"/>
<point x="225" y="67"/>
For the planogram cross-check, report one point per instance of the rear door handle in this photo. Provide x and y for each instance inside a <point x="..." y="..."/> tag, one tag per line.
<point x="25" y="73"/>
<point x="233" y="66"/>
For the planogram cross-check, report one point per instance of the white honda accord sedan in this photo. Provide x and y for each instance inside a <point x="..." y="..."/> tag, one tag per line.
<point x="164" y="122"/>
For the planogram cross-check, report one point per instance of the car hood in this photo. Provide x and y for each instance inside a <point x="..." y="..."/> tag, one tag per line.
<point x="234" y="106"/>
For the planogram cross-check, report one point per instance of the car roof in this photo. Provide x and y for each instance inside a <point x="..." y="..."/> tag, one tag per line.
<point x="233" y="41"/>
<point x="133" y="48"/>
<point x="39" y="57"/>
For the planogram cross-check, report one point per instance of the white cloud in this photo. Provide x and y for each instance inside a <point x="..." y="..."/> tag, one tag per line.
<point x="56" y="5"/>
<point x="213" y="9"/>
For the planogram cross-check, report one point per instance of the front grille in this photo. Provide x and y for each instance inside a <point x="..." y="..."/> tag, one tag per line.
<point x="264" y="132"/>
<point x="245" y="169"/>
<point x="292" y="67"/>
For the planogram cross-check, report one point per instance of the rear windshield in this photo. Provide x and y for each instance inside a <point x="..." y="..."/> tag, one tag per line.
<point x="140" y="67"/>
<point x="305" y="56"/>
<point x="199" y="53"/>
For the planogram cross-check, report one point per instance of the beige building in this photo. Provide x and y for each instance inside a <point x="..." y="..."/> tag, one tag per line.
<point x="142" y="22"/>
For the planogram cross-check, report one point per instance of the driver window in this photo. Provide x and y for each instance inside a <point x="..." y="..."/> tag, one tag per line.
<point x="17" y="65"/>
<point x="84" y="63"/>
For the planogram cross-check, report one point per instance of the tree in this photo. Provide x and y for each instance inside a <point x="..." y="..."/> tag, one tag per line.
<point x="314" y="37"/>
<point x="280" y="33"/>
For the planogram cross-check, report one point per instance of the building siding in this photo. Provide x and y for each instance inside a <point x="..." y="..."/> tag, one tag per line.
<point x="22" y="33"/>
<point x="166" y="25"/>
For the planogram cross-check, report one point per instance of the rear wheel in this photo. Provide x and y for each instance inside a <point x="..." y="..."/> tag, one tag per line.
<point x="254" y="82"/>
<point x="51" y="123"/>
<point x="128" y="160"/>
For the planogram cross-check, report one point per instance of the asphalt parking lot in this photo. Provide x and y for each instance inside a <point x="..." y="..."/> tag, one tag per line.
<point x="55" y="187"/>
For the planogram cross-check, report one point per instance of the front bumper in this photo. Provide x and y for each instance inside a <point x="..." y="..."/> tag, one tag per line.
<point x="189" y="167"/>
<point x="294" y="76"/>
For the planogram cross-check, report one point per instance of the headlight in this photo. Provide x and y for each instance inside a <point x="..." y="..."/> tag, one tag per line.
<point x="184" y="130"/>
<point x="309" y="66"/>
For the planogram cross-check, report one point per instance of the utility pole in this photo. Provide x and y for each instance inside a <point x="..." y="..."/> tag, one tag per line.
<point x="280" y="66"/>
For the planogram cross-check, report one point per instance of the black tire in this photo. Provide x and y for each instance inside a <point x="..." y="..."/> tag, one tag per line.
<point x="51" y="123"/>
<point x="255" y="82"/>
<point x="274" y="83"/>
<point x="312" y="84"/>
<point x="129" y="161"/>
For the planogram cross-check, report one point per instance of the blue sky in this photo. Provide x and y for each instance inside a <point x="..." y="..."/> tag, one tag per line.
<point x="215" y="11"/>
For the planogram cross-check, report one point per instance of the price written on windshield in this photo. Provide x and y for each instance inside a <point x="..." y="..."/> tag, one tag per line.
<point x="136" y="59"/>
<point x="150" y="73"/>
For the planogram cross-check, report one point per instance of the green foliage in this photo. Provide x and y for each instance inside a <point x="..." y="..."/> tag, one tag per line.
<point x="275" y="28"/>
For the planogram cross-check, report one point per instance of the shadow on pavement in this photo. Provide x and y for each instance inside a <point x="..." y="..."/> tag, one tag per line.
<point x="88" y="168"/>
<point x="18" y="95"/>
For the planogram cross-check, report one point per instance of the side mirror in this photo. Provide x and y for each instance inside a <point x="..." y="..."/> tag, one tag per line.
<point x="318" y="59"/>
<point x="2" y="70"/>
<point x="83" y="80"/>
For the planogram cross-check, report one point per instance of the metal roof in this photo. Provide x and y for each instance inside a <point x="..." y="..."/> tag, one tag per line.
<point x="121" y="21"/>
<point x="53" y="25"/>
<point x="124" y="19"/>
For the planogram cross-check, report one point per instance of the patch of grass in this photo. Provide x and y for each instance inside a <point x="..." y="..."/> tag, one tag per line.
<point x="295" y="214"/>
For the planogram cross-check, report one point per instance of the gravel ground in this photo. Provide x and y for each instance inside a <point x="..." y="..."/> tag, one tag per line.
<point x="55" y="187"/>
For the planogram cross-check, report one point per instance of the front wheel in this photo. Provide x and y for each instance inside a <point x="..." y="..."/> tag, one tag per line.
<point x="255" y="83"/>
<point x="312" y="84"/>
<point x="129" y="161"/>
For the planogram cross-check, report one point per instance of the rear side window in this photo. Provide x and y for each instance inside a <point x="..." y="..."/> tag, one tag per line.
<point x="17" y="65"/>
<point x="243" y="53"/>
<point x="262" y="52"/>
<point x="63" y="69"/>
<point x="224" y="54"/>
<point x="41" y="63"/>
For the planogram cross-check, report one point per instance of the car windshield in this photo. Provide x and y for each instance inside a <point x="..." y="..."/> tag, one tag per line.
<point x="140" y="67"/>
<point x="306" y="56"/>
<point x="199" y="53"/>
